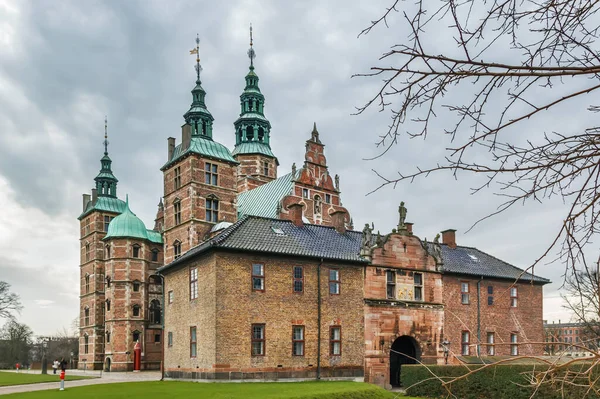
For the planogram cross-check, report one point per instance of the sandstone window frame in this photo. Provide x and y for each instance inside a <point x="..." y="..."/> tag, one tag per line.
<point x="298" y="340"/>
<point x="177" y="211"/>
<point x="258" y="339"/>
<point x="266" y="168"/>
<point x="176" y="249"/>
<point x="170" y="339"/>
<point x="108" y="305"/>
<point x="135" y="250"/>
<point x="335" y="281"/>
<point x="514" y="293"/>
<point x="154" y="256"/>
<point x="193" y="283"/>
<point x="135" y="335"/>
<point x="108" y="281"/>
<point x="177" y="178"/>
<point x="107" y="246"/>
<point x="86" y="343"/>
<point x="491" y="341"/>
<point x="465" y="337"/>
<point x="136" y="286"/>
<point x="335" y="340"/>
<point x="86" y="316"/>
<point x="418" y="284"/>
<point x="155" y="312"/>
<point x="328" y="198"/>
<point x="137" y="310"/>
<point x="514" y="343"/>
<point x="107" y="220"/>
<point x="87" y="251"/>
<point x="211" y="209"/>
<point x="107" y="337"/>
<point x="87" y="283"/>
<point x="305" y="193"/>
<point x="211" y="173"/>
<point x="390" y="286"/>
<point x="298" y="279"/>
<point x="464" y="293"/>
<point x="258" y="277"/>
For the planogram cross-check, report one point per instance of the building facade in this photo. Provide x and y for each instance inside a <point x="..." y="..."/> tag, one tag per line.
<point x="571" y="339"/>
<point x="249" y="274"/>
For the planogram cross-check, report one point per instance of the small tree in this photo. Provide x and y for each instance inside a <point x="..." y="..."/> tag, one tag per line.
<point x="9" y="301"/>
<point x="17" y="341"/>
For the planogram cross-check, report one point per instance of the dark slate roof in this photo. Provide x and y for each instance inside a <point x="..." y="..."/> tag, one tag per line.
<point x="259" y="234"/>
<point x="471" y="261"/>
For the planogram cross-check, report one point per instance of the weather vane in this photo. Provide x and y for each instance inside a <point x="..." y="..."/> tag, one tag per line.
<point x="197" y="52"/>
<point x="251" y="52"/>
<point x="105" y="135"/>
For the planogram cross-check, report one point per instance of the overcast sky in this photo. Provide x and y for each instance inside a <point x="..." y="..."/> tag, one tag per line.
<point x="64" y="65"/>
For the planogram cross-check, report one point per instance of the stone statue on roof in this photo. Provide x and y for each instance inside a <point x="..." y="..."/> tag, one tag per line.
<point x="402" y="211"/>
<point x="437" y="248"/>
<point x="337" y="182"/>
<point x="366" y="237"/>
<point x="294" y="170"/>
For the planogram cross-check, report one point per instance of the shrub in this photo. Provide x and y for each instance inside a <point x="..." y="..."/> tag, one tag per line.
<point x="497" y="381"/>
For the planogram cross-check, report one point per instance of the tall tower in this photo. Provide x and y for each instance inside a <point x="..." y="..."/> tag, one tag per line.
<point x="199" y="179"/>
<point x="252" y="149"/>
<point x="98" y="211"/>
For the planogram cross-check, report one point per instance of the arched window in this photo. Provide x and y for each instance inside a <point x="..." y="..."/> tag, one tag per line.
<point x="240" y="137"/>
<point x="249" y="133"/>
<point x="136" y="336"/>
<point x="136" y="251"/>
<point x="87" y="283"/>
<point x="108" y="251"/>
<point x="261" y="134"/>
<point x="136" y="286"/>
<point x="87" y="251"/>
<point x="86" y="316"/>
<point x="177" y="249"/>
<point x="107" y="282"/>
<point x="177" y="211"/>
<point x="155" y="312"/>
<point x="154" y="255"/>
<point x="86" y="341"/>
<point x="107" y="335"/>
<point x="108" y="305"/>
<point x="136" y="310"/>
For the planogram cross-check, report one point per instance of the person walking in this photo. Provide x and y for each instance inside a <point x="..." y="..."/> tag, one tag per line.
<point x="63" y="364"/>
<point x="55" y="366"/>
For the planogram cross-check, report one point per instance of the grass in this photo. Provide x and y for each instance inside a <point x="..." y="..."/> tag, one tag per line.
<point x="10" y="378"/>
<point x="184" y="390"/>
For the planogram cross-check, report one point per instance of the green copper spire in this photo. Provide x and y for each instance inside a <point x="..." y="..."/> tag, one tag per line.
<point x="198" y="115"/>
<point x="252" y="128"/>
<point x="106" y="182"/>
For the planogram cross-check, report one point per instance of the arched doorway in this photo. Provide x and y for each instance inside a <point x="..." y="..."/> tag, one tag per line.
<point x="405" y="350"/>
<point x="107" y="364"/>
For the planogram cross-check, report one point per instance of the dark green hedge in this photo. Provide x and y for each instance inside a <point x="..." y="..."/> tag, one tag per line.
<point x="501" y="381"/>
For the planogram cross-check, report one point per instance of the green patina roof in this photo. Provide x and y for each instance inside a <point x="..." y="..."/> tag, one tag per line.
<point x="203" y="146"/>
<point x="263" y="200"/>
<point x="250" y="147"/>
<point x="104" y="204"/>
<point x="127" y="224"/>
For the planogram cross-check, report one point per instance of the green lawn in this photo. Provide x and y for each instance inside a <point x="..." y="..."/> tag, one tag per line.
<point x="9" y="378"/>
<point x="185" y="390"/>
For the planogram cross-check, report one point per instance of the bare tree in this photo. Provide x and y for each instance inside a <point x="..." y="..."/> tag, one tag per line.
<point x="16" y="340"/>
<point x="581" y="296"/>
<point x="513" y="62"/>
<point x="9" y="301"/>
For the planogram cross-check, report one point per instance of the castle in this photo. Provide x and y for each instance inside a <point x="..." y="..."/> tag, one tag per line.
<point x="247" y="274"/>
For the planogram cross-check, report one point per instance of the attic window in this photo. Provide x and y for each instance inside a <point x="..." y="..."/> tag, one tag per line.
<point x="474" y="258"/>
<point x="277" y="231"/>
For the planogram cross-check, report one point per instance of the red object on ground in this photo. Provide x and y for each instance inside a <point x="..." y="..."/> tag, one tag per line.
<point x="18" y="366"/>
<point x="137" y="356"/>
<point x="62" y="374"/>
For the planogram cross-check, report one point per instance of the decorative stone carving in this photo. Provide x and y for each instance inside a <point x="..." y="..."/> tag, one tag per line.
<point x="402" y="211"/>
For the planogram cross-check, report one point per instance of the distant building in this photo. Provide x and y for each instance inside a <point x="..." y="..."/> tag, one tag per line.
<point x="257" y="275"/>
<point x="571" y="339"/>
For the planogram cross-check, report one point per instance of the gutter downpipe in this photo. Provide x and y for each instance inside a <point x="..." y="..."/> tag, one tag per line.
<point x="163" y="338"/>
<point x="319" y="320"/>
<point x="479" y="315"/>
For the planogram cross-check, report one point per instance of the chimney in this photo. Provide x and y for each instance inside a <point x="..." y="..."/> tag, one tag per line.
<point x="94" y="196"/>
<point x="171" y="147"/>
<point x="295" y="214"/>
<point x="409" y="227"/>
<point x="186" y="136"/>
<point x="449" y="238"/>
<point x="86" y="199"/>
<point x="339" y="221"/>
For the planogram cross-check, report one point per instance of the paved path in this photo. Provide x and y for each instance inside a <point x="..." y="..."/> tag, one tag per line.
<point x="103" y="378"/>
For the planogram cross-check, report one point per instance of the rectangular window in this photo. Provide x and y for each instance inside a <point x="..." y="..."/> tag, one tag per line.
<point x="258" y="339"/>
<point x="514" y="347"/>
<point x="328" y="198"/>
<point x="212" y="210"/>
<point x="464" y="293"/>
<point x="490" y="300"/>
<point x="298" y="340"/>
<point x="171" y="296"/>
<point x="107" y="337"/>
<point x="258" y="277"/>
<point x="193" y="343"/>
<point x="513" y="297"/>
<point x="266" y="168"/>
<point x="335" y="340"/>
<point x="177" y="212"/>
<point x="170" y="339"/>
<point x="210" y="174"/>
<point x="177" y="178"/>
<point x="491" y="350"/>
<point x="177" y="249"/>
<point x="154" y="255"/>
<point x="391" y="284"/>
<point x="305" y="193"/>
<point x="418" y="286"/>
<point x="157" y="338"/>
<point x="193" y="283"/>
<point x="334" y="281"/>
<point x="107" y="220"/>
<point x="298" y="279"/>
<point x="464" y="340"/>
<point x="136" y="252"/>
<point x="490" y="290"/>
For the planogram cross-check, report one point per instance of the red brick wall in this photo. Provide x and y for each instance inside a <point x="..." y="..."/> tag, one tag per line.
<point x="250" y="173"/>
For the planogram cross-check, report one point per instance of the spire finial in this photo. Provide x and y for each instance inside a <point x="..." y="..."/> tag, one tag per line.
<point x="197" y="52"/>
<point x="251" y="52"/>
<point x="105" y="135"/>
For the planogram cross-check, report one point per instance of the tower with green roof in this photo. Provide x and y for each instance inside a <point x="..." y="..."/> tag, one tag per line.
<point x="258" y="164"/>
<point x="199" y="178"/>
